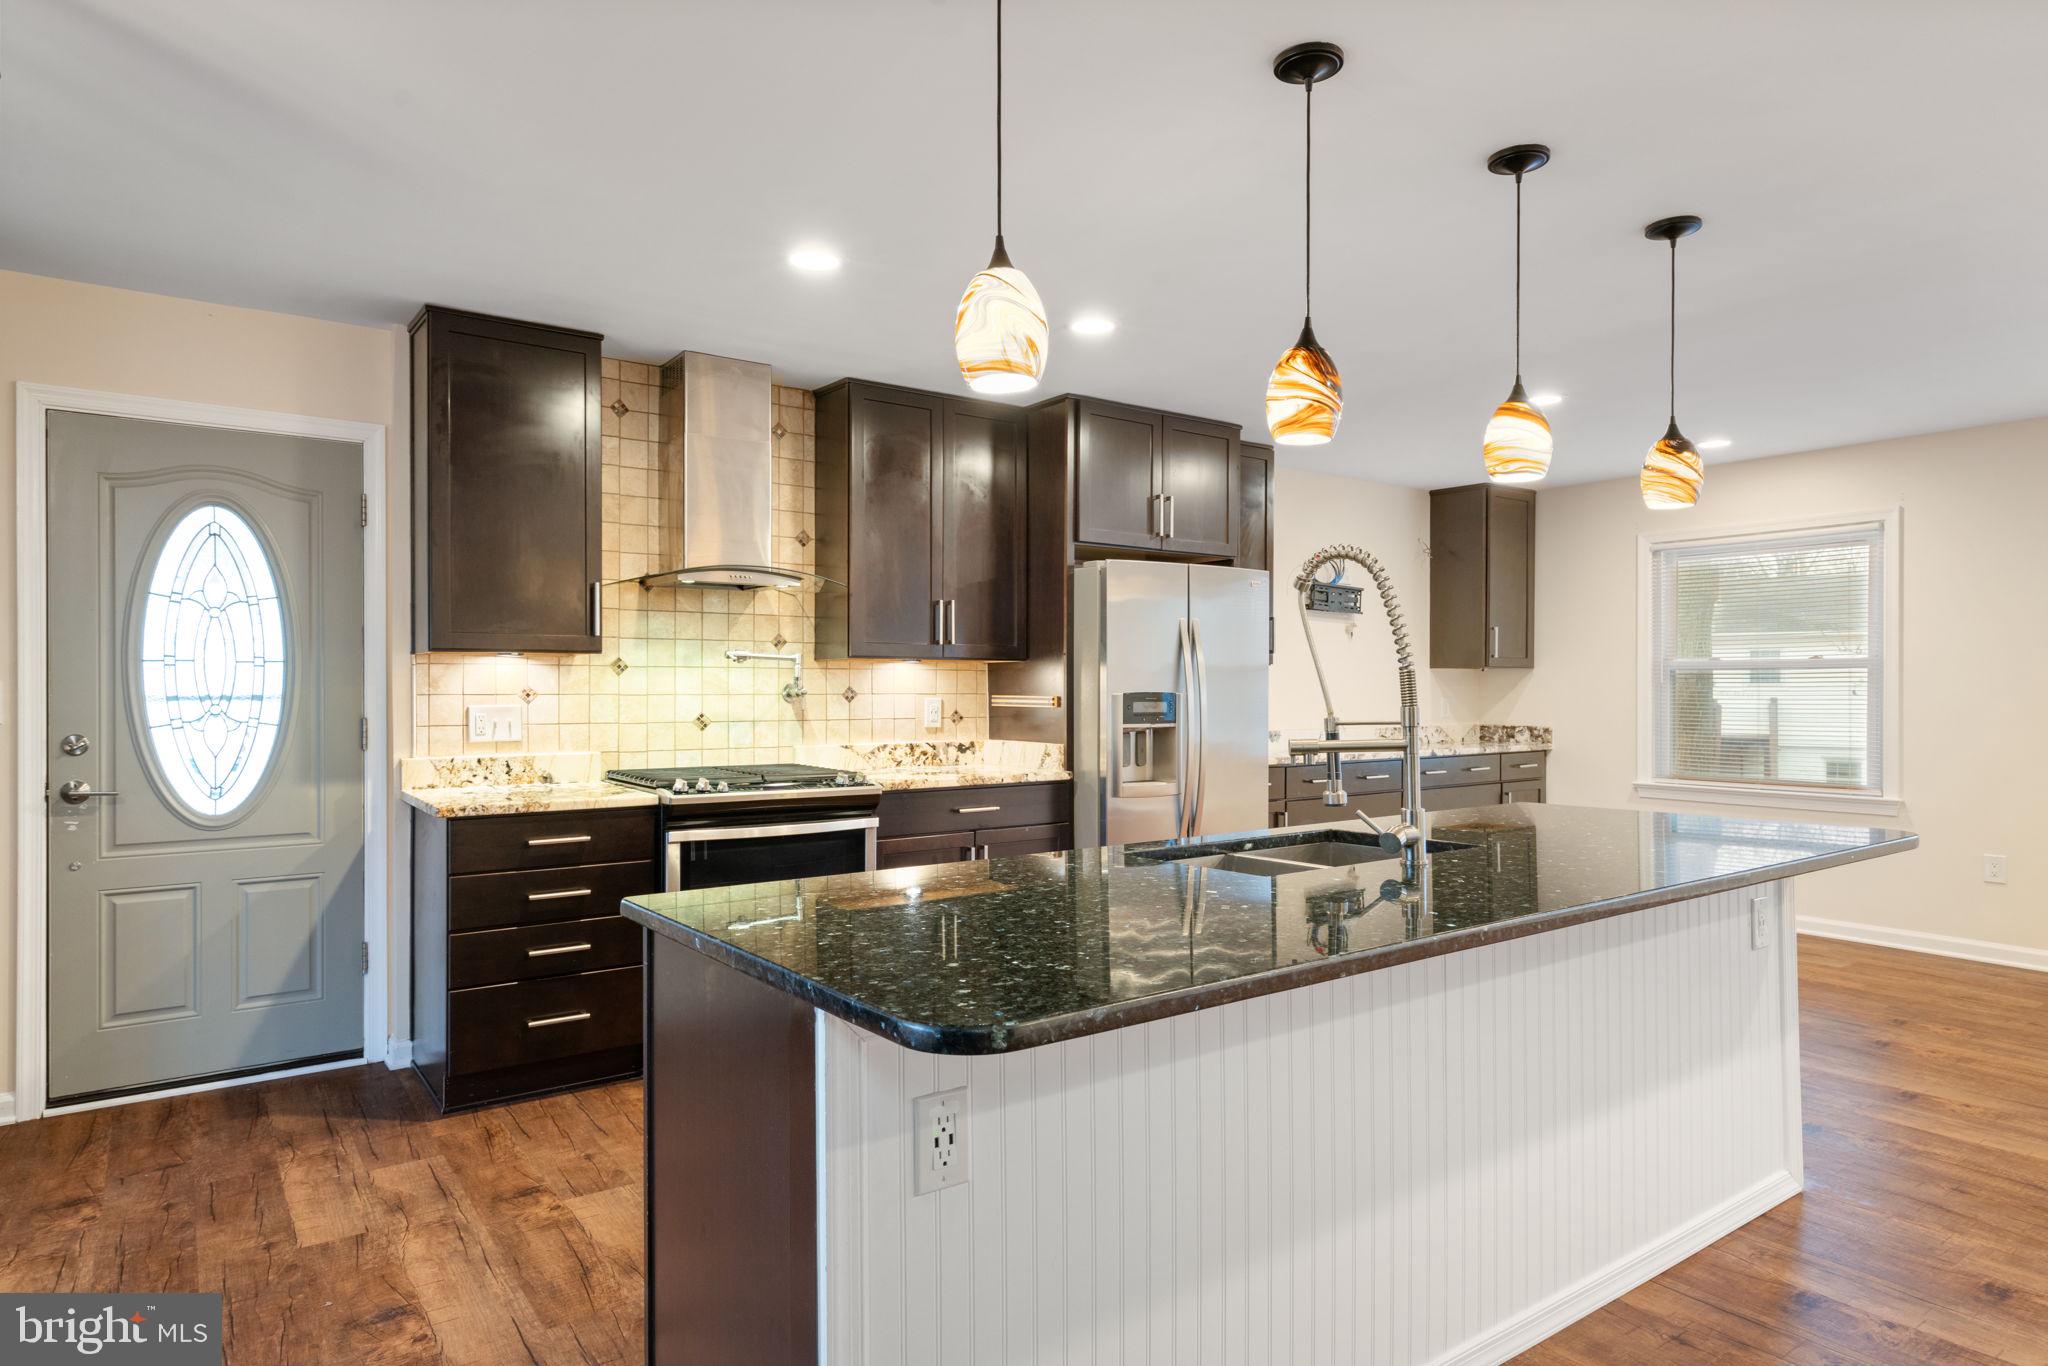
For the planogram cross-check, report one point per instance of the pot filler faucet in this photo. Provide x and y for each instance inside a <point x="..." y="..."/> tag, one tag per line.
<point x="1405" y="837"/>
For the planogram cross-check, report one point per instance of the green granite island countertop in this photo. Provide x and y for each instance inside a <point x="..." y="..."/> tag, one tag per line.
<point x="1005" y="954"/>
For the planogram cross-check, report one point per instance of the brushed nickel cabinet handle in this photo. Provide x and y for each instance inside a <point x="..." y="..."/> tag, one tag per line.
<point x="971" y="810"/>
<point x="1528" y="765"/>
<point x="1480" y="768"/>
<point x="558" y="896"/>
<point x="552" y="950"/>
<point x="558" y="839"/>
<point x="544" y="1021"/>
<point x="596" y="608"/>
<point x="938" y="621"/>
<point x="1493" y="652"/>
<point x="1434" y="772"/>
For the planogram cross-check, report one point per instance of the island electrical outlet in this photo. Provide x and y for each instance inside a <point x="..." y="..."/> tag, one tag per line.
<point x="938" y="1136"/>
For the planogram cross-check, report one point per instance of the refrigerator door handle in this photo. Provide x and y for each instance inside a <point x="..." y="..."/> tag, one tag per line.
<point x="1201" y="720"/>
<point x="1184" y="823"/>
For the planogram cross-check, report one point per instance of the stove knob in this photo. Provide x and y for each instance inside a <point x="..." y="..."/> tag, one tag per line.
<point x="703" y="784"/>
<point x="842" y="779"/>
<point x="679" y="785"/>
<point x="723" y="786"/>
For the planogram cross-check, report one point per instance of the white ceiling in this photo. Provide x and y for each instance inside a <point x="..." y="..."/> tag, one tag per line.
<point x="1870" y="172"/>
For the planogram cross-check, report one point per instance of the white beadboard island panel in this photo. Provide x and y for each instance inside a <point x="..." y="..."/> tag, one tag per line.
<point x="1439" y="1162"/>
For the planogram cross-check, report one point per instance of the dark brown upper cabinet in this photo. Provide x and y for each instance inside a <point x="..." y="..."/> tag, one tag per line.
<point x="1151" y="481"/>
<point x="921" y="523"/>
<point x="507" y="472"/>
<point x="1255" y="521"/>
<point x="1482" y="577"/>
<point x="1254" y="506"/>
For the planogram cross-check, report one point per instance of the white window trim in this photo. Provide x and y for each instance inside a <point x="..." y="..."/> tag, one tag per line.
<point x="1784" y="796"/>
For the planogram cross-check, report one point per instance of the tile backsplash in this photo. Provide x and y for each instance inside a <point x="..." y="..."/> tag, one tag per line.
<point x="661" y="692"/>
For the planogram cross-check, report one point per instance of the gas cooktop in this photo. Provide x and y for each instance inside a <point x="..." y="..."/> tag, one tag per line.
<point x="738" y="779"/>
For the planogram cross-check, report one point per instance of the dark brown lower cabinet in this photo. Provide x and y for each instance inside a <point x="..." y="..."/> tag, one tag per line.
<point x="954" y="824"/>
<point x="525" y="977"/>
<point x="1373" y="786"/>
<point x="1521" y="792"/>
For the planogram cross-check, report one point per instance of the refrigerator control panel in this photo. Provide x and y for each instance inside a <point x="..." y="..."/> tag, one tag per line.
<point x="1151" y="708"/>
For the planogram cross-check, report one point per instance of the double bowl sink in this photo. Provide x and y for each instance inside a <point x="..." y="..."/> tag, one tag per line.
<point x="1283" y="855"/>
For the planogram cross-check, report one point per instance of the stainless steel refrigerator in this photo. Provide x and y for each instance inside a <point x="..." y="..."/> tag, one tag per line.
<point x="1169" y="701"/>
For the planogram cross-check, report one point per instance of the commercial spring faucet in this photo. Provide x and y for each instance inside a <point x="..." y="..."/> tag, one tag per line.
<point x="1405" y="837"/>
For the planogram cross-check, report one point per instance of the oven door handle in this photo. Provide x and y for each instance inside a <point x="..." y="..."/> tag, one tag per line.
<point x="711" y="834"/>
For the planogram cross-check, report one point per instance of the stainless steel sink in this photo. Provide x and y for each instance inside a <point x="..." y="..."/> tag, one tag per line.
<point x="1281" y="855"/>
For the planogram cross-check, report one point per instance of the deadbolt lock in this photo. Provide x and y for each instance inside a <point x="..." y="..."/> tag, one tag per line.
<point x="74" y="744"/>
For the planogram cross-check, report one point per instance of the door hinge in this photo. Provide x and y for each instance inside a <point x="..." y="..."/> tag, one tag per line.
<point x="363" y="736"/>
<point x="364" y="516"/>
<point x="366" y="957"/>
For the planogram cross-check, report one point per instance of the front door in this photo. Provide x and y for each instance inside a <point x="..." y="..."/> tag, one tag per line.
<point x="204" y="774"/>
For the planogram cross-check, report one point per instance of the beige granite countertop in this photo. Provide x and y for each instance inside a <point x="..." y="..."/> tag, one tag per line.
<point x="522" y="798"/>
<point x="915" y="779"/>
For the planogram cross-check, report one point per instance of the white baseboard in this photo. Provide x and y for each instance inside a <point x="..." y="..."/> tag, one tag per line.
<point x="6" y="1107"/>
<point x="1942" y="945"/>
<point x="398" y="1054"/>
<point x="1573" y="1303"/>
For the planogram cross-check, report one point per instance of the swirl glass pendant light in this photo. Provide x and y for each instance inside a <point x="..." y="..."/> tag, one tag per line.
<point x="1517" y="441"/>
<point x="999" y="331"/>
<point x="1304" y="396"/>
<point x="1672" y="471"/>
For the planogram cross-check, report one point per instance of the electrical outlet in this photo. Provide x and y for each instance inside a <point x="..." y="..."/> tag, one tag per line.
<point x="497" y="722"/>
<point x="938" y="1140"/>
<point x="933" y="716"/>
<point x="1763" y="921"/>
<point x="1994" y="868"/>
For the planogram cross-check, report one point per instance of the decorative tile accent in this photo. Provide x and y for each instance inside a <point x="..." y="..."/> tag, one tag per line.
<point x="527" y="694"/>
<point x="780" y="431"/>
<point x="619" y="666"/>
<point x="702" y="721"/>
<point x="803" y="538"/>
<point x="779" y="641"/>
<point x="619" y="408"/>
<point x="849" y="694"/>
<point x="957" y="718"/>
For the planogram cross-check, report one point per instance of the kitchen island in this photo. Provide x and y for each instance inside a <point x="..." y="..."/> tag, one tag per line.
<point x="1218" y="1103"/>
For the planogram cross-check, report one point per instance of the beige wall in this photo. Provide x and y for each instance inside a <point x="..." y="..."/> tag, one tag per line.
<point x="671" y="642"/>
<point x="1392" y="523"/>
<point x="1974" y="652"/>
<point x="90" y="337"/>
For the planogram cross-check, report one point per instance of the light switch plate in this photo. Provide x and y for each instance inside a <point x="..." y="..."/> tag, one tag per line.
<point x="1994" y="868"/>
<point x="497" y="722"/>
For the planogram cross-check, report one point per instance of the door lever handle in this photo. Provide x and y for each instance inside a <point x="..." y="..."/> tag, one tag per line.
<point x="77" y="792"/>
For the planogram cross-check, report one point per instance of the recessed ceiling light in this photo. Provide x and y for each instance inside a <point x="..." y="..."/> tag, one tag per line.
<point x="816" y="260"/>
<point x="1549" y="398"/>
<point x="1093" y="325"/>
<point x="1715" y="443"/>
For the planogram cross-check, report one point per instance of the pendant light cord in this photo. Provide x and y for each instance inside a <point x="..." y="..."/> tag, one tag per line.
<point x="1673" y="378"/>
<point x="999" y="120"/>
<point x="1308" y="196"/>
<point x="1518" y="277"/>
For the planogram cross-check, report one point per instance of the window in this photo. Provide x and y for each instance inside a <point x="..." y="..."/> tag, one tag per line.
<point x="212" y="656"/>
<point x="1768" y="665"/>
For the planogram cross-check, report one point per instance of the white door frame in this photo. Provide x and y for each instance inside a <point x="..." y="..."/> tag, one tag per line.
<point x="33" y="403"/>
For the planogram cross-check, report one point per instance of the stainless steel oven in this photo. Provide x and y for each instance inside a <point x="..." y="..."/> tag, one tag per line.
<point x="727" y="854"/>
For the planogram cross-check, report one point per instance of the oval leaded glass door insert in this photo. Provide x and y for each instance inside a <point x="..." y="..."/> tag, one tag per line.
<point x="212" y="656"/>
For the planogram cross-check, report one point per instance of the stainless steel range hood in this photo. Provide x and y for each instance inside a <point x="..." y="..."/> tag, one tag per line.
<point x="717" y="478"/>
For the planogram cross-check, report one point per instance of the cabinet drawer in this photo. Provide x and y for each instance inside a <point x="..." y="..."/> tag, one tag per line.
<point x="526" y="952"/>
<point x="1470" y="794"/>
<point x="484" y="901"/>
<point x="555" y="839"/>
<point x="1458" y="770"/>
<point x="1276" y="783"/>
<point x="1013" y="840"/>
<point x="915" y="851"/>
<point x="529" y="1022"/>
<point x="1361" y="777"/>
<point x="1528" y="766"/>
<point x="1510" y="793"/>
<point x="944" y="810"/>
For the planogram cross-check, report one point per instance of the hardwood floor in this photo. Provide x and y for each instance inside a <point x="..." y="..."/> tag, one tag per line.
<point x="345" y="1222"/>
<point x="1922" y="1235"/>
